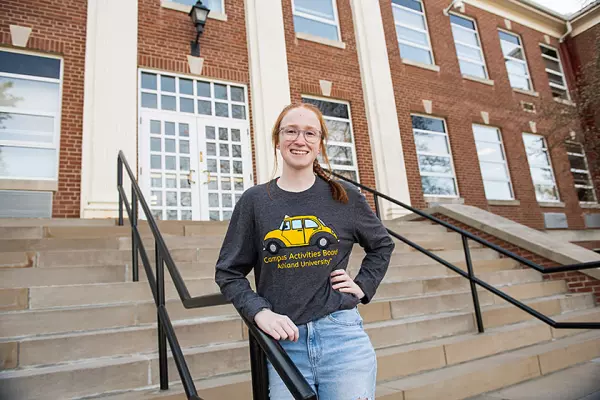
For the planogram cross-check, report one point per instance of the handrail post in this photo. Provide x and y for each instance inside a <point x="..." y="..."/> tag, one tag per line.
<point x="120" y="185"/>
<point x="476" y="306"/>
<point x="260" y="377"/>
<point x="162" y="336"/>
<point x="377" y="210"/>
<point x="134" y="243"/>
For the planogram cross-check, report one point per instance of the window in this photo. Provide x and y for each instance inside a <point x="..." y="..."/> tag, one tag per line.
<point x="310" y="224"/>
<point x="30" y="102"/>
<point x="468" y="47"/>
<point x="340" y="144"/>
<point x="492" y="160"/>
<point x="540" y="167"/>
<point x="581" y="173"/>
<point x="214" y="5"/>
<point x="556" y="76"/>
<point x="435" y="159"/>
<point x="297" y="224"/>
<point x="516" y="64"/>
<point x="316" y="17"/>
<point x="285" y="226"/>
<point x="412" y="31"/>
<point x="192" y="96"/>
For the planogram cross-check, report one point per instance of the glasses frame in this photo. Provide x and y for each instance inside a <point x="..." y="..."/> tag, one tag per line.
<point x="303" y="132"/>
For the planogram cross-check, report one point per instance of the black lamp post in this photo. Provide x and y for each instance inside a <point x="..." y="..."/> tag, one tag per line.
<point x="198" y="13"/>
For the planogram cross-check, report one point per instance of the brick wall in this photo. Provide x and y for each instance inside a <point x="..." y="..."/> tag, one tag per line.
<point x="584" y="49"/>
<point x="309" y="62"/>
<point x="577" y="282"/>
<point x="460" y="102"/>
<point x="58" y="28"/>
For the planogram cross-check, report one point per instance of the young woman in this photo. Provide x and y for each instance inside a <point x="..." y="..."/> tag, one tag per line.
<point x="297" y="232"/>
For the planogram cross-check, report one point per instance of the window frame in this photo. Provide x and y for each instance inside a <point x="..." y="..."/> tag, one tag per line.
<point x="320" y="19"/>
<point x="426" y="31"/>
<point x="562" y="71"/>
<point x="504" y="162"/>
<point x="546" y="150"/>
<point x="354" y="168"/>
<point x="436" y="174"/>
<point x="191" y="5"/>
<point x="480" y="48"/>
<point x="525" y="61"/>
<point x="581" y="171"/>
<point x="55" y="145"/>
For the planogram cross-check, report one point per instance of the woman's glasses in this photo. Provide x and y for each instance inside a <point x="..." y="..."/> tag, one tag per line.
<point x="291" y="134"/>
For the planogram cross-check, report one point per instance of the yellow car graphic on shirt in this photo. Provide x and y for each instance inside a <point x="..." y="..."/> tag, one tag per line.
<point x="298" y="231"/>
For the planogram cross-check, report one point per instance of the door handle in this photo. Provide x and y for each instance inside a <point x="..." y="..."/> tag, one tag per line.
<point x="189" y="177"/>
<point x="201" y="157"/>
<point x="208" y="177"/>
<point x="298" y="230"/>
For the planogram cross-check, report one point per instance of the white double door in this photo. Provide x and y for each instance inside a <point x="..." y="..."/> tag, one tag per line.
<point x="193" y="168"/>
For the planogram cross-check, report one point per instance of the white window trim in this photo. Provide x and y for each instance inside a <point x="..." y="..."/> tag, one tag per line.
<point x="174" y="5"/>
<point x="426" y="31"/>
<point x="553" y="72"/>
<point x="341" y="144"/>
<point x="532" y="88"/>
<point x="449" y="155"/>
<point x="504" y="162"/>
<point x="542" y="166"/>
<point x="480" y="48"/>
<point x="582" y="171"/>
<point x="57" y="115"/>
<point x="335" y="22"/>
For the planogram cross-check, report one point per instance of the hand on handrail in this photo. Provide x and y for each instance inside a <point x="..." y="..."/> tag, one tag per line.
<point x="279" y="327"/>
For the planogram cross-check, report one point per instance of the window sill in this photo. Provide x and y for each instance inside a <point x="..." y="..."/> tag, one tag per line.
<point x="488" y="82"/>
<point x="171" y="5"/>
<point x="504" y="202"/>
<point x="551" y="204"/>
<point x="589" y="205"/>
<point x="433" y="200"/>
<point x="527" y="92"/>
<point x="26" y="184"/>
<point x="430" y="67"/>
<point x="563" y="101"/>
<point x="320" y="40"/>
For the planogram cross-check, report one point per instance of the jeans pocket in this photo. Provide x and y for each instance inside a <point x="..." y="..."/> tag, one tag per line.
<point x="346" y="317"/>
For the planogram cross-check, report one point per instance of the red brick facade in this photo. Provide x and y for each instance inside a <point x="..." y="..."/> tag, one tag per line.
<point x="460" y="102"/>
<point x="163" y="44"/>
<point x="58" y="28"/>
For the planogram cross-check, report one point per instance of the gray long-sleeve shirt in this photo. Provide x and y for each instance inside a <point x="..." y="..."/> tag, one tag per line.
<point x="294" y="240"/>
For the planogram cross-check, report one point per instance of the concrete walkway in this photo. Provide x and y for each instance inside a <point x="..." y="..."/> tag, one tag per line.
<point x="581" y="382"/>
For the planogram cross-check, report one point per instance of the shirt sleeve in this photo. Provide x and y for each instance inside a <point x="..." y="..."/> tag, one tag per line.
<point x="372" y="235"/>
<point x="237" y="258"/>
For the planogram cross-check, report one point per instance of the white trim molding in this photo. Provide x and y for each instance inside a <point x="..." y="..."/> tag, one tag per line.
<point x="321" y="40"/>
<point x="268" y="76"/>
<point x="171" y="5"/>
<point x="110" y="102"/>
<point x="380" y="105"/>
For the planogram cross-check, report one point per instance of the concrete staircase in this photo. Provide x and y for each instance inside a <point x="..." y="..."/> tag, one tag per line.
<point x="73" y="325"/>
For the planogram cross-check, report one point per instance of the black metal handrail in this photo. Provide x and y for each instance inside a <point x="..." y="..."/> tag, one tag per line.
<point x="261" y="345"/>
<point x="470" y="275"/>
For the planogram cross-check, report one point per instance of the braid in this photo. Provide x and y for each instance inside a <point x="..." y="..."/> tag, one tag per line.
<point x="337" y="190"/>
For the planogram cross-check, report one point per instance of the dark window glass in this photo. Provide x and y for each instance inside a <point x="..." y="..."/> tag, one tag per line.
<point x="25" y="64"/>
<point x="412" y="4"/>
<point x="428" y="124"/>
<point x="329" y="109"/>
<point x="455" y="19"/>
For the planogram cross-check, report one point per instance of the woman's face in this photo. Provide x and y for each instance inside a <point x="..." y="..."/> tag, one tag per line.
<point x="299" y="151"/>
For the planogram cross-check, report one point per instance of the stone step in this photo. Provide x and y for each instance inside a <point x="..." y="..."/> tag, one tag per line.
<point x="46" y="222"/>
<point x="401" y="360"/>
<point x="494" y="372"/>
<point x="479" y="266"/>
<point x="29" y="277"/>
<point x="413" y="227"/>
<point x="118" y="293"/>
<point x="71" y="346"/>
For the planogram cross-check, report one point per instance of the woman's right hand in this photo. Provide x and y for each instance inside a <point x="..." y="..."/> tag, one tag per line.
<point x="278" y="326"/>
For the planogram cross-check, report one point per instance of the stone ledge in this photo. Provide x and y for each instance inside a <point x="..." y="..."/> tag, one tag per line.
<point x="537" y="242"/>
<point x="527" y="92"/>
<point x="171" y="5"/>
<point x="488" y="82"/>
<point x="504" y="202"/>
<point x="551" y="204"/>
<point x="430" y="67"/>
<point x="320" y="40"/>
<point x="589" y="205"/>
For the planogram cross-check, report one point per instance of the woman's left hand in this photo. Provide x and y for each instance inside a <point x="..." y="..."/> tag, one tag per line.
<point x="342" y="282"/>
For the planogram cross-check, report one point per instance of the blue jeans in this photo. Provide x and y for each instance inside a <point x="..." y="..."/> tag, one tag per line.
<point x="335" y="356"/>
